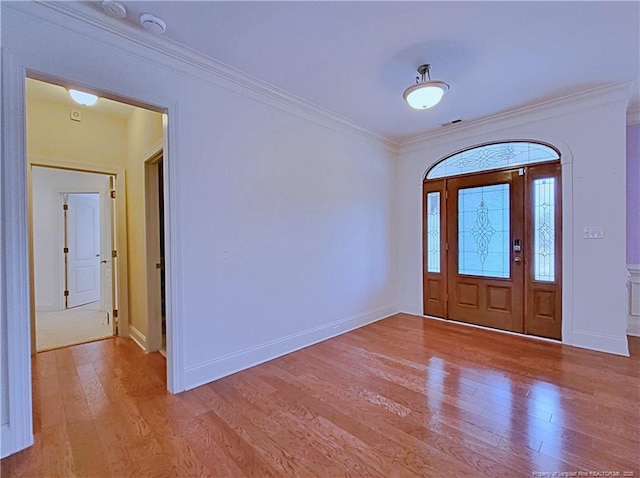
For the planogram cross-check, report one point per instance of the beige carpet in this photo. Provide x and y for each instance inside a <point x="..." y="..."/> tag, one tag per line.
<point x="71" y="327"/>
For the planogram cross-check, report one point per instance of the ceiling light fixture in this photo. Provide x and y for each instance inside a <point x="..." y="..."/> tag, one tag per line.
<point x="83" y="98"/>
<point x="426" y="92"/>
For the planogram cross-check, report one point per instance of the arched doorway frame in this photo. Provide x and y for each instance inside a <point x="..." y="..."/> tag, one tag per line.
<point x="525" y="166"/>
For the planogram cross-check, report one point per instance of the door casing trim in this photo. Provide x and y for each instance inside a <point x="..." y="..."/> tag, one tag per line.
<point x="17" y="428"/>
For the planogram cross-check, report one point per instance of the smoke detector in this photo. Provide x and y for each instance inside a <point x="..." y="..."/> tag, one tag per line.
<point x="153" y="24"/>
<point x="114" y="8"/>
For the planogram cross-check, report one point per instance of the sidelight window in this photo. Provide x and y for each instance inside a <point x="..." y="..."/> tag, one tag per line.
<point x="433" y="232"/>
<point x="544" y="231"/>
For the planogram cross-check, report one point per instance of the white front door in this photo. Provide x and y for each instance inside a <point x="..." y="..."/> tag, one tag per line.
<point x="83" y="242"/>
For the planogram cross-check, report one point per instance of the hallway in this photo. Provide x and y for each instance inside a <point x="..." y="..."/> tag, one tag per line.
<point x="77" y="325"/>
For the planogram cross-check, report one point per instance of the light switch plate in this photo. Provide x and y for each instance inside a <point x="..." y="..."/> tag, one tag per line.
<point x="592" y="232"/>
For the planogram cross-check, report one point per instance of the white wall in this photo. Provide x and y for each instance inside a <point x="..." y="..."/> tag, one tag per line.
<point x="589" y="130"/>
<point x="292" y="231"/>
<point x="4" y="371"/>
<point x="47" y="185"/>
<point x="282" y="221"/>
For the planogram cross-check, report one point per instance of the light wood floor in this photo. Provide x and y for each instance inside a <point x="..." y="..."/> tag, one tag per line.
<point x="403" y="397"/>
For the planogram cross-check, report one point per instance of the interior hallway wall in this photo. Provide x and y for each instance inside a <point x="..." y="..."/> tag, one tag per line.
<point x="144" y="135"/>
<point x="98" y="139"/>
<point x="47" y="184"/>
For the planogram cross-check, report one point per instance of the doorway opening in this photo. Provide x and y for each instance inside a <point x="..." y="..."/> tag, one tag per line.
<point x="72" y="237"/>
<point x="156" y="279"/>
<point x="103" y="241"/>
<point x="493" y="238"/>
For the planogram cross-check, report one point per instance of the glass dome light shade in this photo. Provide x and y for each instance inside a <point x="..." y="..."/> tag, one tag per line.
<point x="426" y="94"/>
<point x="83" y="98"/>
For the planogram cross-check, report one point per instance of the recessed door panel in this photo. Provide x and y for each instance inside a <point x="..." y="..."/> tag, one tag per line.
<point x="499" y="299"/>
<point x="434" y="293"/>
<point x="467" y="295"/>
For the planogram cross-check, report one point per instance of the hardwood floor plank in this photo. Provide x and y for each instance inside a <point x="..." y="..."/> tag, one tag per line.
<point x="87" y="448"/>
<point x="245" y="457"/>
<point x="403" y="397"/>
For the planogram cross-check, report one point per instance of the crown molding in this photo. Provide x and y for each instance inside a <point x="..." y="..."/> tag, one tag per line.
<point x="556" y="107"/>
<point x="176" y="56"/>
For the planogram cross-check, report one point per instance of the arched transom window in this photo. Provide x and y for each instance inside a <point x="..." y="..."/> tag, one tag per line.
<point x="493" y="156"/>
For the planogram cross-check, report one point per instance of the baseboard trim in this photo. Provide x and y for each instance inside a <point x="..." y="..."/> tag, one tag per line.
<point x="138" y="337"/>
<point x="584" y="340"/>
<point x="10" y="443"/>
<point x="598" y="342"/>
<point x="412" y="309"/>
<point x="228" y="364"/>
<point x="633" y="328"/>
<point x="5" y="434"/>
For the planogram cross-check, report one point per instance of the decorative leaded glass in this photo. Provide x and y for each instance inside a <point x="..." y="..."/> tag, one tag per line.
<point x="433" y="232"/>
<point x="544" y="229"/>
<point x="493" y="156"/>
<point x="483" y="231"/>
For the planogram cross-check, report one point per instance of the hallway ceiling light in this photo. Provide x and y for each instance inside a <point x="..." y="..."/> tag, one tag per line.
<point x="426" y="92"/>
<point x="83" y="98"/>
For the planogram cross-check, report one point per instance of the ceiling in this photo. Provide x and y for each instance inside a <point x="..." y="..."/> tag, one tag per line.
<point x="356" y="58"/>
<point x="39" y="90"/>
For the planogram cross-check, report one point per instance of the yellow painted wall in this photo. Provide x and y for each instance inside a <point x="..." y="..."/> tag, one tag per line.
<point x="97" y="139"/>
<point x="144" y="137"/>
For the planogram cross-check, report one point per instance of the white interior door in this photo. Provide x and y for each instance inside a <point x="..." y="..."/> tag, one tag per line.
<point x="83" y="242"/>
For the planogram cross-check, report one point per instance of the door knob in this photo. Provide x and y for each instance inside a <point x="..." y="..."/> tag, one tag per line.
<point x="517" y="259"/>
